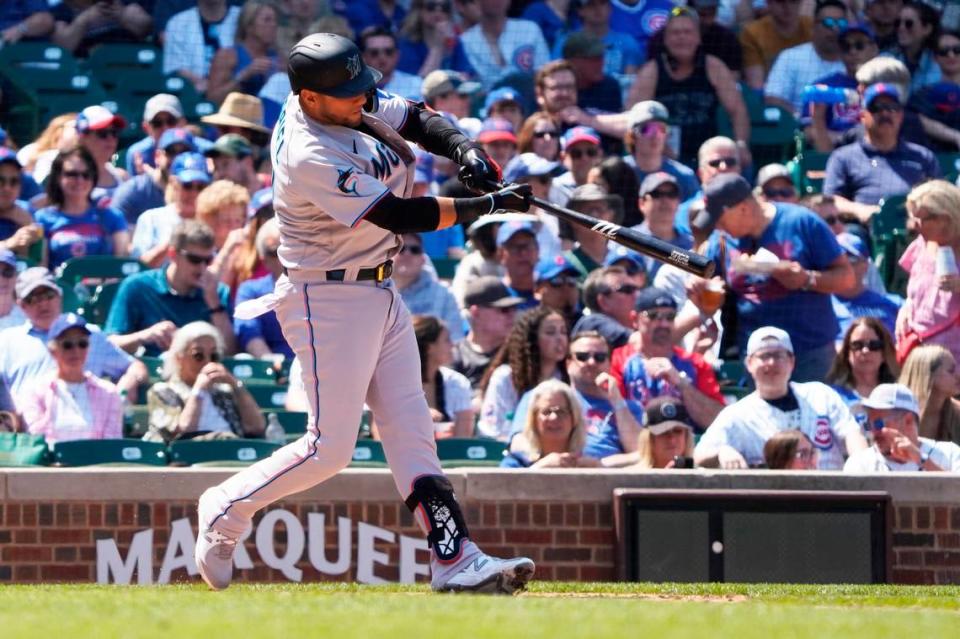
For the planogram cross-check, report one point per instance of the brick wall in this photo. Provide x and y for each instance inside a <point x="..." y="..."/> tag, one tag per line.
<point x="51" y="538"/>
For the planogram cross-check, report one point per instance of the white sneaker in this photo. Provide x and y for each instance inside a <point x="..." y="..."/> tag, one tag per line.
<point x="214" y="556"/>
<point x="486" y="574"/>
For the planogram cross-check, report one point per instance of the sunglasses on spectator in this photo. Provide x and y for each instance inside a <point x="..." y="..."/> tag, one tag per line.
<point x="651" y="129"/>
<point x="197" y="260"/>
<point x="43" y="296"/>
<point x="10" y="181"/>
<point x="163" y="123"/>
<point x="872" y="345"/>
<point x="436" y="6"/>
<point x="386" y="52"/>
<point x="412" y="250"/>
<point x="906" y="23"/>
<point x="590" y="152"/>
<point x="549" y="135"/>
<point x="805" y="454"/>
<point x="193" y="186"/>
<point x="835" y="24"/>
<point x="77" y="175"/>
<point x="785" y="192"/>
<point x="563" y="280"/>
<point x="553" y="411"/>
<point x="715" y="163"/>
<point x="626" y="289"/>
<point x="658" y="194"/>
<point x="69" y="345"/>
<point x="202" y="356"/>
<point x="771" y="356"/>
<point x="103" y="134"/>
<point x="586" y="356"/>
<point x="857" y="45"/>
<point x="945" y="51"/>
<point x="658" y="316"/>
<point x="885" y="107"/>
<point x="8" y="272"/>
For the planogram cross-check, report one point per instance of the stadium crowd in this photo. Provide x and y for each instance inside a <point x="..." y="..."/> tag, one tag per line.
<point x="828" y="338"/>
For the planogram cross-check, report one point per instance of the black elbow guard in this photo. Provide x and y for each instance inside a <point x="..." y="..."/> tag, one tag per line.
<point x="397" y="215"/>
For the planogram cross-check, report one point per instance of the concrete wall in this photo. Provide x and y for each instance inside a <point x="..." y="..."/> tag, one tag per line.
<point x="80" y="524"/>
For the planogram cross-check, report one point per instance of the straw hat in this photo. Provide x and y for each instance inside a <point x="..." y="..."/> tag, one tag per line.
<point x="239" y="109"/>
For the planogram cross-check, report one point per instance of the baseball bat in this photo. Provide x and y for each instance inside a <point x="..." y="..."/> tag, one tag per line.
<point x="640" y="242"/>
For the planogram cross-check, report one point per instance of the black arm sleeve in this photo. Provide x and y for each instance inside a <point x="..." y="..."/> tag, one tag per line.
<point x="435" y="134"/>
<point x="422" y="214"/>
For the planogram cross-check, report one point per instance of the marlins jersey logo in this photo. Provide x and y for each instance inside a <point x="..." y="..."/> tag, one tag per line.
<point x="347" y="181"/>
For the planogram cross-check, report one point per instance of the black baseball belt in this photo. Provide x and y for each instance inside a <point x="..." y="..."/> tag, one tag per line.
<point x="377" y="274"/>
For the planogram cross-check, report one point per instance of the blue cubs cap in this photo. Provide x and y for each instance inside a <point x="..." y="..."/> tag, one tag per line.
<point x="509" y="229"/>
<point x="503" y="94"/>
<point x="853" y="245"/>
<point x="176" y="136"/>
<point x="496" y="130"/>
<point x="579" y="134"/>
<point x="529" y="165"/>
<point x="879" y="89"/>
<point x="190" y="167"/>
<point x="858" y="27"/>
<point x="65" y="322"/>
<point x="630" y="259"/>
<point x="555" y="267"/>
<point x="8" y="257"/>
<point x="9" y="156"/>
<point x="260" y="199"/>
<point x="653" y="297"/>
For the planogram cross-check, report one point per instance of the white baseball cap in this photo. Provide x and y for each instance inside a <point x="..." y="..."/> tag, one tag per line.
<point x="768" y="337"/>
<point x="892" y="397"/>
<point x="160" y="103"/>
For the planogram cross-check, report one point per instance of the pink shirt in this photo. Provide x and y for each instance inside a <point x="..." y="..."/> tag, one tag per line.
<point x="928" y="307"/>
<point x="44" y="411"/>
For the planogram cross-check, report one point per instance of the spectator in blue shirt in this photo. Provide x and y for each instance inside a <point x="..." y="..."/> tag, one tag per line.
<point x="21" y="19"/>
<point x="161" y="113"/>
<point x="861" y="174"/>
<point x="640" y="18"/>
<point x="551" y="15"/>
<point x="519" y="252"/>
<point x="858" y="300"/>
<point x="623" y="56"/>
<point x="596" y="90"/>
<point x="659" y="200"/>
<point x="782" y="263"/>
<point x="150" y="305"/>
<point x="24" y="356"/>
<point x="148" y="190"/>
<point x="17" y="230"/>
<point x="646" y="140"/>
<point x="261" y="336"/>
<point x="421" y="291"/>
<point x="370" y="13"/>
<point x="73" y="224"/>
<point x="428" y="38"/>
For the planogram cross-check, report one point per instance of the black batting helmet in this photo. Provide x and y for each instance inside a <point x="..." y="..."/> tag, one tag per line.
<point x="330" y="64"/>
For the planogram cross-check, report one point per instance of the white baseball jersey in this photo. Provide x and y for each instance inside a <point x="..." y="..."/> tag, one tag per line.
<point x="327" y="178"/>
<point x="946" y="455"/>
<point x="747" y="425"/>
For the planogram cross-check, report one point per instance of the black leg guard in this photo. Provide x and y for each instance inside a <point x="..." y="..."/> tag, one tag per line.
<point x="448" y="528"/>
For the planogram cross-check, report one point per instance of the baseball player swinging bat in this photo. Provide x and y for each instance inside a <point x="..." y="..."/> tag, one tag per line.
<point x="641" y="242"/>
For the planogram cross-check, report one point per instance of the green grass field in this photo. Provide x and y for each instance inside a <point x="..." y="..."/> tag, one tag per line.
<point x="549" y="610"/>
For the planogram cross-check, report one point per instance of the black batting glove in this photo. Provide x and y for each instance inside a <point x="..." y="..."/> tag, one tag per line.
<point x="515" y="197"/>
<point x="478" y="170"/>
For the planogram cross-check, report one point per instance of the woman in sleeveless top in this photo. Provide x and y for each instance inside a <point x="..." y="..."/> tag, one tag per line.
<point x="252" y="59"/>
<point x="692" y="85"/>
<point x="448" y="392"/>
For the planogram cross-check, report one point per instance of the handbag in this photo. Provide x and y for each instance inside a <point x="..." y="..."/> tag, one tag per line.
<point x="913" y="339"/>
<point x="22" y="449"/>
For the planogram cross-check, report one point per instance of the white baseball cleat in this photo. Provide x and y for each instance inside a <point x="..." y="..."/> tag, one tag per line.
<point x="486" y="574"/>
<point x="214" y="556"/>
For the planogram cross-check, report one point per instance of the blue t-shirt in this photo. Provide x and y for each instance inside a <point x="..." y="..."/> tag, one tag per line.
<point x="867" y="304"/>
<point x="682" y="239"/>
<point x="71" y="236"/>
<point x="550" y="23"/>
<point x="144" y="148"/>
<point x="840" y="117"/>
<point x="622" y="51"/>
<point x="413" y="54"/>
<point x="642" y="20"/>
<point x="795" y="234"/>
<point x="860" y="173"/>
<point x="603" y="438"/>
<point x="529" y="299"/>
<point x="686" y="179"/>
<point x="436" y="243"/>
<point x="367" y="13"/>
<point x="16" y="11"/>
<point x="137" y="195"/>
<point x="265" y="326"/>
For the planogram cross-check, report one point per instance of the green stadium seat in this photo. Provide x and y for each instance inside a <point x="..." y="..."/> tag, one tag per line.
<point x="446" y="267"/>
<point x="772" y="128"/>
<point x="136" y="421"/>
<point x="22" y="449"/>
<point x="294" y="422"/>
<point x="949" y="165"/>
<point x="98" y="267"/>
<point x="89" y="452"/>
<point x="808" y="169"/>
<point x="252" y="371"/>
<point x="43" y="56"/>
<point x="220" y="452"/>
<point x="53" y="92"/>
<point x="111" y="62"/>
<point x="368" y="453"/>
<point x="268" y="396"/>
<point x="891" y="218"/>
<point x="466" y="451"/>
<point x="97" y="308"/>
<point x="731" y="373"/>
<point x="154" y="366"/>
